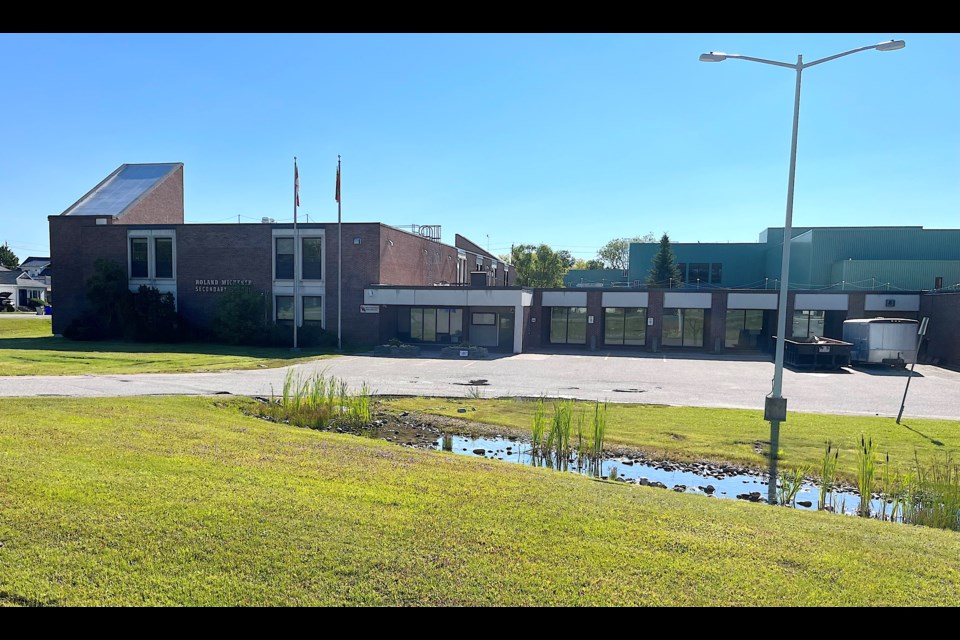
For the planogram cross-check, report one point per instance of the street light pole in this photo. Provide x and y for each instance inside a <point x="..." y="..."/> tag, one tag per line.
<point x="775" y="405"/>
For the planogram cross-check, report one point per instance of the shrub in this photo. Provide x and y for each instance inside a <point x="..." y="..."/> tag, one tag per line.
<point x="241" y="316"/>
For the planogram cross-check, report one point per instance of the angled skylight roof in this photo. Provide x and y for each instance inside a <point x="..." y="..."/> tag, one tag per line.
<point x="121" y="189"/>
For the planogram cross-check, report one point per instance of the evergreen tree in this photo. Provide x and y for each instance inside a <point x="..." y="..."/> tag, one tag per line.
<point x="664" y="271"/>
<point x="8" y="258"/>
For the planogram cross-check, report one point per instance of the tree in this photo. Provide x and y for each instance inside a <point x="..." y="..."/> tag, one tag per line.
<point x="664" y="271"/>
<point x="537" y="266"/>
<point x="240" y="317"/>
<point x="588" y="264"/>
<point x="616" y="253"/>
<point x="8" y="258"/>
<point x="566" y="259"/>
<point x="110" y="297"/>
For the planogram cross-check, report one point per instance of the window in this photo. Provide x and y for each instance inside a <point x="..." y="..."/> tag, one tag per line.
<point x="163" y="252"/>
<point x="716" y="271"/>
<point x="284" y="307"/>
<point x="151" y="254"/>
<point x="483" y="318"/>
<point x="627" y="326"/>
<point x="698" y="273"/>
<point x="313" y="311"/>
<point x="568" y="325"/>
<point x="283" y="270"/>
<point x="430" y="324"/>
<point x="807" y="323"/>
<point x="312" y="264"/>
<point x="139" y="258"/>
<point x="683" y="327"/>
<point x="682" y="266"/>
<point x="743" y="326"/>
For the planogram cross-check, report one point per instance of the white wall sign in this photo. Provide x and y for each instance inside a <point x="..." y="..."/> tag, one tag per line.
<point x="369" y="308"/>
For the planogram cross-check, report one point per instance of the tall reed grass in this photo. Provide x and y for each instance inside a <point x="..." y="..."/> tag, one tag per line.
<point x="790" y="484"/>
<point x="865" y="473"/>
<point x="318" y="402"/>
<point x="933" y="498"/>
<point x="828" y="475"/>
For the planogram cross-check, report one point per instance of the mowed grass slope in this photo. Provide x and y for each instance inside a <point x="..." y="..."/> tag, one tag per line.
<point x="185" y="501"/>
<point x="725" y="435"/>
<point x="27" y="348"/>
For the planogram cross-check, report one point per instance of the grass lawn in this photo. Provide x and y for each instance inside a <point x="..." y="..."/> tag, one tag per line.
<point x="27" y="348"/>
<point x="725" y="435"/>
<point x="185" y="501"/>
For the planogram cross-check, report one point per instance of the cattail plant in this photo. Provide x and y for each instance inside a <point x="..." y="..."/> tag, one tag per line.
<point x="536" y="434"/>
<point x="828" y="475"/>
<point x="865" y="474"/>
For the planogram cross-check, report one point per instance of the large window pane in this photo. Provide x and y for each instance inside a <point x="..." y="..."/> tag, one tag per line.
<point x="577" y="325"/>
<point x="312" y="259"/>
<point x="807" y="323"/>
<point x="672" y="327"/>
<point x="284" y="306"/>
<point x="613" y="325"/>
<point x="429" y="325"/>
<point x="138" y="258"/>
<point x="734" y="326"/>
<point x="683" y="271"/>
<point x="313" y="310"/>
<point x="416" y="324"/>
<point x="284" y="265"/>
<point x="698" y="272"/>
<point x="163" y="255"/>
<point x="558" y="325"/>
<point x="693" y="327"/>
<point x="443" y="320"/>
<point x="816" y="323"/>
<point x="716" y="271"/>
<point x="635" y="326"/>
<point x="456" y="324"/>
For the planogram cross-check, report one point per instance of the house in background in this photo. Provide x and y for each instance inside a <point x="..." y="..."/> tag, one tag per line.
<point x="18" y="288"/>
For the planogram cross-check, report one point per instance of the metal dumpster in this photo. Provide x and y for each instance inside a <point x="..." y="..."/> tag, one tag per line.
<point x="815" y="353"/>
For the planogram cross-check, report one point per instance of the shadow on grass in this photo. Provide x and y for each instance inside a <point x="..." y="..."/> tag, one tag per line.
<point x="52" y="343"/>
<point x="922" y="435"/>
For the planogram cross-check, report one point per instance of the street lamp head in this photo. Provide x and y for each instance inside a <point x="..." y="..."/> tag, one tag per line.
<point x="891" y="45"/>
<point x="713" y="56"/>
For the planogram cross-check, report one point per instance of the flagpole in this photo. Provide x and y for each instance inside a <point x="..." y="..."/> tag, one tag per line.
<point x="339" y="261"/>
<point x="296" y="252"/>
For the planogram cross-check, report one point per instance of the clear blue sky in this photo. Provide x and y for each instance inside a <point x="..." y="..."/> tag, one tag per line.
<point x="567" y="139"/>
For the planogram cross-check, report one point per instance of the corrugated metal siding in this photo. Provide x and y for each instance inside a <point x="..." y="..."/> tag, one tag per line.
<point x="906" y="257"/>
<point x="911" y="275"/>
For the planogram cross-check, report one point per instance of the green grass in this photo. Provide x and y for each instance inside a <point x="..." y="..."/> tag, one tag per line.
<point x="724" y="435"/>
<point x="186" y="501"/>
<point x="27" y="348"/>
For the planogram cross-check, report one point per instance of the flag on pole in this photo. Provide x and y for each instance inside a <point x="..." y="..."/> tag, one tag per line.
<point x="338" y="183"/>
<point x="296" y="184"/>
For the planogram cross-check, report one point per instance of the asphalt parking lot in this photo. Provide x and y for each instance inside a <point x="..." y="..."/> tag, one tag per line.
<point x="672" y="379"/>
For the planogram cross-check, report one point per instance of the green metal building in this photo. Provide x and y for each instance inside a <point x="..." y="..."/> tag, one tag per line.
<point x="835" y="258"/>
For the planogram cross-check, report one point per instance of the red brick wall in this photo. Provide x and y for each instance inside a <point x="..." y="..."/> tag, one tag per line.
<point x="361" y="265"/>
<point x="163" y="205"/>
<point x="75" y="244"/>
<point x="220" y="252"/>
<point x="413" y="260"/>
